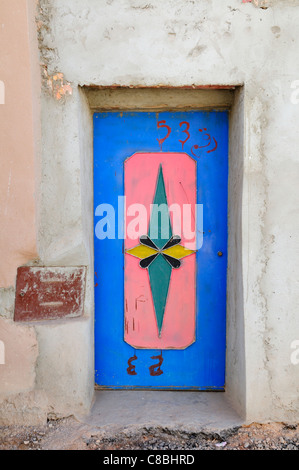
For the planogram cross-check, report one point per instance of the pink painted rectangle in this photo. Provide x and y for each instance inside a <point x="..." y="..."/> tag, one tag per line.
<point x="178" y="331"/>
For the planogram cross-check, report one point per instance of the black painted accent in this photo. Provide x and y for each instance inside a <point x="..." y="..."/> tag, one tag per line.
<point x="144" y="263"/>
<point x="175" y="240"/>
<point x="145" y="240"/>
<point x="175" y="263"/>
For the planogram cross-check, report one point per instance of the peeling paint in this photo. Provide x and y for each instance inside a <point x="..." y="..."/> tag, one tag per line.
<point x="258" y="3"/>
<point x="49" y="293"/>
<point x="57" y="85"/>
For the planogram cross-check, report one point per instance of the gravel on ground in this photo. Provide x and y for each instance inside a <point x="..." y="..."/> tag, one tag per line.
<point x="69" y="434"/>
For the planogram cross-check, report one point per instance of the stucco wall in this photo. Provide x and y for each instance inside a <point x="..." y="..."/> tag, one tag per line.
<point x="177" y="44"/>
<point x="133" y="43"/>
<point x="19" y="121"/>
<point x="19" y="176"/>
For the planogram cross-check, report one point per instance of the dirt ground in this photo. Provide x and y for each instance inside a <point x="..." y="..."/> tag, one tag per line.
<point x="69" y="434"/>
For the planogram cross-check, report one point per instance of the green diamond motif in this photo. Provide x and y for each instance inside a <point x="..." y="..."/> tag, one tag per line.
<point x="159" y="274"/>
<point x="160" y="231"/>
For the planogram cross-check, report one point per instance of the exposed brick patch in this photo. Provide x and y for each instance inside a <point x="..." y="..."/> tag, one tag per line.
<point x="56" y="84"/>
<point x="258" y="3"/>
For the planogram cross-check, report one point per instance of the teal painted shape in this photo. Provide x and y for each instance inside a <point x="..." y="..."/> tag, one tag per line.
<point x="159" y="274"/>
<point x="160" y="230"/>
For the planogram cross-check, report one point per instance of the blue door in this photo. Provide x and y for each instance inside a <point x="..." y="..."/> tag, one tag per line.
<point x="160" y="241"/>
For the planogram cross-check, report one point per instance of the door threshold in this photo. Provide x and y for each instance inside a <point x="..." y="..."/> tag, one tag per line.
<point x="161" y="389"/>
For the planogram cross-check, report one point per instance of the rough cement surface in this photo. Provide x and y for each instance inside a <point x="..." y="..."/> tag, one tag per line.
<point x="17" y="369"/>
<point x="188" y="411"/>
<point x="122" y="420"/>
<point x="23" y="409"/>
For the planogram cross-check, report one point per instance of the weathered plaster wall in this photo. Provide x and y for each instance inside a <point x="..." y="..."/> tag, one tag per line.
<point x="19" y="121"/>
<point x="174" y="43"/>
<point x="19" y="156"/>
<point x="235" y="340"/>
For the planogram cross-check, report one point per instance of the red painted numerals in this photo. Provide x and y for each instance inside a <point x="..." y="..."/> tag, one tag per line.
<point x="154" y="370"/>
<point x="208" y="143"/>
<point x="131" y="368"/>
<point x="161" y="124"/>
<point x="186" y="131"/>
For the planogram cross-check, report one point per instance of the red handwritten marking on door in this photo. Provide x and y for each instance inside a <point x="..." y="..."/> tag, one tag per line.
<point x="216" y="146"/>
<point x="161" y="141"/>
<point x="194" y="154"/>
<point x="139" y="299"/>
<point x="207" y="138"/>
<point x="183" y="142"/>
<point x="153" y="371"/>
<point x="131" y="368"/>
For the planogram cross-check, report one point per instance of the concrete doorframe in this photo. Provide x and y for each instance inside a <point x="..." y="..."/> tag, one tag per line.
<point x="67" y="372"/>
